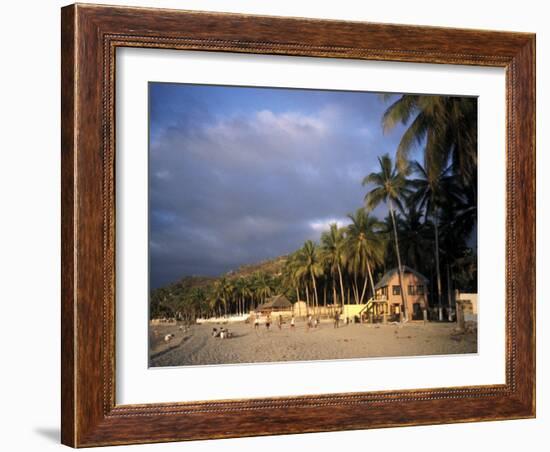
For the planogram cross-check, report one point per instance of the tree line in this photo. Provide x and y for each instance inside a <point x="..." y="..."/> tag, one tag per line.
<point x="430" y="224"/>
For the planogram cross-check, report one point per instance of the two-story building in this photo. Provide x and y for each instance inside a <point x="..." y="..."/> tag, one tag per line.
<point x="415" y="284"/>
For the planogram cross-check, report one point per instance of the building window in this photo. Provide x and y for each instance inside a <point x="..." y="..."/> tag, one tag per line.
<point x="412" y="290"/>
<point x="420" y="290"/>
<point x="396" y="290"/>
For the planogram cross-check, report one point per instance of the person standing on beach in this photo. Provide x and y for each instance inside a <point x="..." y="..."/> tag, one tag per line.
<point x="337" y="320"/>
<point x="256" y="322"/>
<point x="309" y="322"/>
<point x="267" y="322"/>
<point x="292" y="323"/>
<point x="280" y="322"/>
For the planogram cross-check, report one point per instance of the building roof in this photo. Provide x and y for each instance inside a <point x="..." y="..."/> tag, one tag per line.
<point x="386" y="278"/>
<point x="276" y="302"/>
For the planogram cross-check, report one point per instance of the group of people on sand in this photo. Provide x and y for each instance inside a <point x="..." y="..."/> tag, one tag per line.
<point x="311" y="322"/>
<point x="222" y="333"/>
<point x="280" y="322"/>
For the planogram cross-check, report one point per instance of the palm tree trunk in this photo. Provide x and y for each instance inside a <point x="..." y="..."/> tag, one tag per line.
<point x="438" y="273"/>
<point x="334" y="289"/>
<point x="364" y="290"/>
<point x="400" y="267"/>
<point x="370" y="278"/>
<point x="316" y="297"/>
<point x="307" y="300"/>
<point x="341" y="287"/>
<point x="355" y="289"/>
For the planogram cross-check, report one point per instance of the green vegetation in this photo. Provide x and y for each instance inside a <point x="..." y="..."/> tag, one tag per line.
<point x="432" y="215"/>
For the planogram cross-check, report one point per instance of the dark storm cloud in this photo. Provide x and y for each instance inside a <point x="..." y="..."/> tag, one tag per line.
<point x="233" y="181"/>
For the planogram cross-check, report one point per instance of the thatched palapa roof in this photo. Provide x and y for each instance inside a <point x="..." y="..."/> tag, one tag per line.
<point x="276" y="302"/>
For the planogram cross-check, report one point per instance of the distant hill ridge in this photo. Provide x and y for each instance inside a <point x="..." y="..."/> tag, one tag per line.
<point x="270" y="266"/>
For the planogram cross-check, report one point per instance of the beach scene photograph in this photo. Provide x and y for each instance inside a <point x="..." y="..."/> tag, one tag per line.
<point x="290" y="225"/>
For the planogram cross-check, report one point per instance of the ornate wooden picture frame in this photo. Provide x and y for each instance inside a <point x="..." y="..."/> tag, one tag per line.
<point x="90" y="37"/>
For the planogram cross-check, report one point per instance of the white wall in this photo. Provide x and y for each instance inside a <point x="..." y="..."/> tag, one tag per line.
<point x="29" y="224"/>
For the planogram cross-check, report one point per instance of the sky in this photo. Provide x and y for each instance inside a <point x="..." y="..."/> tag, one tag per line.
<point x="238" y="175"/>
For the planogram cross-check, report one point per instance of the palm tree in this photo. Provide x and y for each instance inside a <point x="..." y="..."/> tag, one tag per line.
<point x="390" y="186"/>
<point x="461" y="215"/>
<point x="262" y="286"/>
<point x="433" y="188"/>
<point x="457" y="220"/>
<point x="223" y="292"/>
<point x="390" y="259"/>
<point x="160" y="304"/>
<point x="415" y="233"/>
<point x="242" y="290"/>
<point x="214" y="302"/>
<point x="309" y="264"/>
<point x="289" y="276"/>
<point x="199" y="298"/>
<point x="445" y="125"/>
<point x="332" y="245"/>
<point x="363" y="246"/>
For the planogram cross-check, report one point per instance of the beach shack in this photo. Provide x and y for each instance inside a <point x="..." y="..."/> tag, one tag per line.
<point x="388" y="292"/>
<point x="278" y="304"/>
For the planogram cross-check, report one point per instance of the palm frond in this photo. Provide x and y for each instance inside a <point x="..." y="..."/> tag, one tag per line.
<point x="399" y="112"/>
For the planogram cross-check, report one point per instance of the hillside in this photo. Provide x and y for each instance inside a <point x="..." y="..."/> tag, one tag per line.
<point x="166" y="300"/>
<point x="271" y="267"/>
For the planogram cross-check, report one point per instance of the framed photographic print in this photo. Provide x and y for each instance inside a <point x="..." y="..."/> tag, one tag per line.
<point x="281" y="225"/>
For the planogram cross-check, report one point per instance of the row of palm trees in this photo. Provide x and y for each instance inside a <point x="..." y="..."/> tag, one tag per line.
<point x="190" y="299"/>
<point x="342" y="265"/>
<point x="417" y="206"/>
<point x="446" y="127"/>
<point x="432" y="213"/>
<point x="343" y="262"/>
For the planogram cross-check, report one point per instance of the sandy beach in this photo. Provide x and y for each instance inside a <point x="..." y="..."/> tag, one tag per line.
<point x="195" y="345"/>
